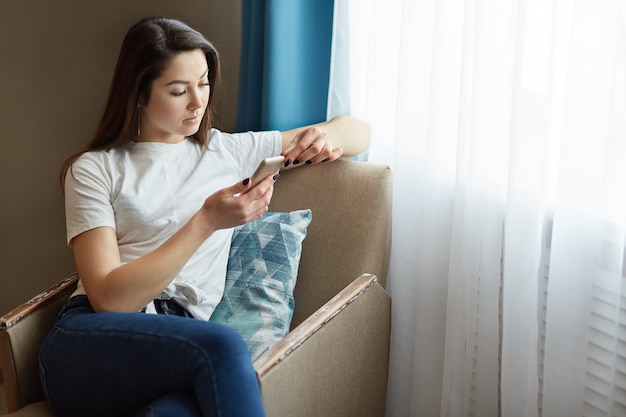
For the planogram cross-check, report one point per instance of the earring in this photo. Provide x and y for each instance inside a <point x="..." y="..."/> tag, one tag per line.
<point x="138" y="126"/>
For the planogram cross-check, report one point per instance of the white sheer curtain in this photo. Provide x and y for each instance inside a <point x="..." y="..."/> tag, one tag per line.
<point x="505" y="124"/>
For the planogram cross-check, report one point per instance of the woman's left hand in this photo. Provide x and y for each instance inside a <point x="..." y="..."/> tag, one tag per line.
<point x="310" y="146"/>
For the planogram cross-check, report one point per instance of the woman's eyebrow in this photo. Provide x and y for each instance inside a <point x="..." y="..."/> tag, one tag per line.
<point x="186" y="82"/>
<point x="177" y="82"/>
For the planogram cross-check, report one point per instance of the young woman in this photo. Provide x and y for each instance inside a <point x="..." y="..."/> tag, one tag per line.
<point x="150" y="206"/>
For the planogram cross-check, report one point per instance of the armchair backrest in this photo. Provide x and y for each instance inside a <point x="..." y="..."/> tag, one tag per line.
<point x="350" y="233"/>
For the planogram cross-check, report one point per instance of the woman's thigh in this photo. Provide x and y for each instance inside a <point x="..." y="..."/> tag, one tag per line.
<point x="114" y="363"/>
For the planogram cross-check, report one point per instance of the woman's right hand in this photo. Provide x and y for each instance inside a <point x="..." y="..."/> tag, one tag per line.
<point x="238" y="204"/>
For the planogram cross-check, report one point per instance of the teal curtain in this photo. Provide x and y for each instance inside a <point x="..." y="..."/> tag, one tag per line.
<point x="285" y="63"/>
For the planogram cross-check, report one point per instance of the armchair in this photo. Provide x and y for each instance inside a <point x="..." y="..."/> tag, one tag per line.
<point x="334" y="361"/>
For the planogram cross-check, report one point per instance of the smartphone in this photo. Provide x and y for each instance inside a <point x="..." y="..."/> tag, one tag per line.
<point x="266" y="167"/>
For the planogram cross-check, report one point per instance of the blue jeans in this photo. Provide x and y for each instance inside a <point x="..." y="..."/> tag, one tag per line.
<point x="136" y="364"/>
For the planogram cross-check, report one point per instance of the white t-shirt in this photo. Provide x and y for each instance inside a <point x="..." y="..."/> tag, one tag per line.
<point x="147" y="190"/>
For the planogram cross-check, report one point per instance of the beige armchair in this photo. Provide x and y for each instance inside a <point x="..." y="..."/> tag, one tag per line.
<point x="334" y="361"/>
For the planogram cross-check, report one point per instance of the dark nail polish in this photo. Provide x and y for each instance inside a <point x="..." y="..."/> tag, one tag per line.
<point x="309" y="162"/>
<point x="276" y="177"/>
<point x="296" y="162"/>
<point x="246" y="181"/>
<point x="287" y="163"/>
<point x="326" y="160"/>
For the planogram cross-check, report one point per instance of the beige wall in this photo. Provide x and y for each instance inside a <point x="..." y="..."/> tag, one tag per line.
<point x="56" y="60"/>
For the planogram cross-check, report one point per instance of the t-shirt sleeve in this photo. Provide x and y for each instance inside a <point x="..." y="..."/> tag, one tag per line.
<point x="88" y="193"/>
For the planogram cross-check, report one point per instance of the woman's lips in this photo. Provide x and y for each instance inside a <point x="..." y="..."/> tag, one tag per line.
<point x="193" y="120"/>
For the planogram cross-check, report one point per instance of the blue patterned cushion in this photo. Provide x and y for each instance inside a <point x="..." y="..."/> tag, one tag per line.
<point x="262" y="270"/>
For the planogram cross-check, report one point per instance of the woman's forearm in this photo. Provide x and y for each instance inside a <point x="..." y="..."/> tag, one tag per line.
<point x="131" y="286"/>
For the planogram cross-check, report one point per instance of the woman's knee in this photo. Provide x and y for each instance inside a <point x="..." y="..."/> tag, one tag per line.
<point x="222" y="340"/>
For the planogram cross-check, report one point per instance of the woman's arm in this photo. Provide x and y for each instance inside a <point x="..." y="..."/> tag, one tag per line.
<point x="113" y="286"/>
<point x="327" y="141"/>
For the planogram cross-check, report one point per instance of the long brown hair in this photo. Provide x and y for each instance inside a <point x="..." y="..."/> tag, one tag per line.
<point x="147" y="49"/>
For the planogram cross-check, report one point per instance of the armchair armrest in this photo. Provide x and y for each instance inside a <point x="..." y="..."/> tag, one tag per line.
<point x="22" y="331"/>
<point x="335" y="362"/>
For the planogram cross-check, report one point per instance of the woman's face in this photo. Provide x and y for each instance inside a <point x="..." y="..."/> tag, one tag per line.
<point x="178" y="100"/>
